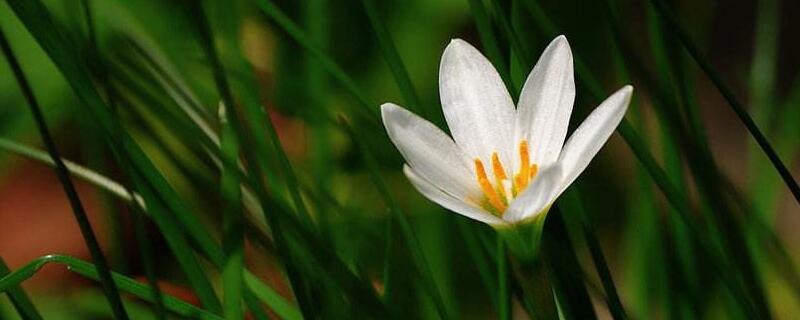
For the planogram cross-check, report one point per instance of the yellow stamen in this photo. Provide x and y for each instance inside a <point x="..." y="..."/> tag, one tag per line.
<point x="499" y="176"/>
<point x="521" y="180"/>
<point x="534" y="170"/>
<point x="499" y="172"/>
<point x="491" y="194"/>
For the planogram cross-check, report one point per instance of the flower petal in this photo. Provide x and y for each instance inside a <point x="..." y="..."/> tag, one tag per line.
<point x="476" y="104"/>
<point x="537" y="197"/>
<point x="429" y="151"/>
<point x="592" y="134"/>
<point x="545" y="103"/>
<point x="443" y="199"/>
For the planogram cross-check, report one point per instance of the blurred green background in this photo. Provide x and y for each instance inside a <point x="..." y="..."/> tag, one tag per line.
<point x="147" y="60"/>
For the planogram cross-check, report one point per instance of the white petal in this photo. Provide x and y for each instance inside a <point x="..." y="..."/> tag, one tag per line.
<point x="592" y="134"/>
<point x="537" y="197"/>
<point x="476" y="104"/>
<point x="445" y="200"/>
<point x="429" y="151"/>
<point x="545" y="103"/>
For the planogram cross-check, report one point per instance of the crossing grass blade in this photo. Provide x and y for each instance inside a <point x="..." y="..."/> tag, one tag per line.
<point x="488" y="40"/>
<point x="36" y="18"/>
<point x="297" y="232"/>
<point x="393" y="59"/>
<point x="206" y="39"/>
<point x="684" y="278"/>
<point x="706" y="176"/>
<point x="38" y="21"/>
<point x="233" y="231"/>
<point x="570" y="291"/>
<point x="263" y="292"/>
<point x="411" y="239"/>
<point x="733" y="102"/>
<point x="573" y="210"/>
<point x="368" y="109"/>
<point x="109" y="288"/>
<point x="22" y="303"/>
<point x="89" y="270"/>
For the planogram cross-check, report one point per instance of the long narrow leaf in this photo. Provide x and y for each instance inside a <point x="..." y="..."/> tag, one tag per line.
<point x="109" y="288"/>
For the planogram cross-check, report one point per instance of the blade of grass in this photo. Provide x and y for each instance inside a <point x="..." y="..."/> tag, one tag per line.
<point x="406" y="230"/>
<point x="685" y="280"/>
<point x="575" y="209"/>
<point x="233" y="236"/>
<point x="206" y="40"/>
<point x="479" y="257"/>
<point x="317" y="22"/>
<point x="19" y="298"/>
<point x="40" y="24"/>
<point x="708" y="179"/>
<point x="565" y="270"/>
<point x="109" y="288"/>
<point x="368" y="109"/>
<point x="90" y="271"/>
<point x="734" y="103"/>
<point x="146" y="254"/>
<point x="355" y="290"/>
<point x="390" y="54"/>
<point x="488" y="41"/>
<point x="273" y="299"/>
<point x="124" y="194"/>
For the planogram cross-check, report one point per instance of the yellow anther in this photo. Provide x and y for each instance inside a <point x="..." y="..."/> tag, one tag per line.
<point x="534" y="170"/>
<point x="499" y="172"/>
<point x="491" y="194"/>
<point x="523" y="177"/>
<point x="499" y="176"/>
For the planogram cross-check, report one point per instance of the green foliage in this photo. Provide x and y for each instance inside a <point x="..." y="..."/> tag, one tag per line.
<point x="243" y="141"/>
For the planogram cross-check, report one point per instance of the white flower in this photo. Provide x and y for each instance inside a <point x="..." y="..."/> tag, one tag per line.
<point x="503" y="165"/>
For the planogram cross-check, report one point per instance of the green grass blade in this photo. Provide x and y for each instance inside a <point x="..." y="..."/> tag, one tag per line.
<point x="19" y="298"/>
<point x="733" y="102"/>
<point x="368" y="109"/>
<point x="684" y="278"/>
<point x="233" y="231"/>
<point x="565" y="271"/>
<point x="480" y="258"/>
<point x="393" y="59"/>
<point x="490" y="44"/>
<point x="271" y="298"/>
<point x="267" y="294"/>
<point x="286" y="228"/>
<point x="411" y="239"/>
<point x="708" y="179"/>
<point x="38" y="21"/>
<point x="146" y="254"/>
<point x="90" y="271"/>
<point x="109" y="288"/>
<point x="572" y="202"/>
<point x="206" y="40"/>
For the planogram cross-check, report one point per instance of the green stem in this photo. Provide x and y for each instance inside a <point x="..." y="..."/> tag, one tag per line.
<point x="534" y="278"/>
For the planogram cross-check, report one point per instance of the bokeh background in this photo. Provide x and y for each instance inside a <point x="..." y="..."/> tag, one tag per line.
<point x="751" y="45"/>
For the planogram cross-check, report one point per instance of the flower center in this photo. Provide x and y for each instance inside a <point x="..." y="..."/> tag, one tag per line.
<point x="499" y="193"/>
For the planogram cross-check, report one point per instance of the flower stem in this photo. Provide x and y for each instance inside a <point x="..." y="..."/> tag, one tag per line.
<point x="533" y="277"/>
